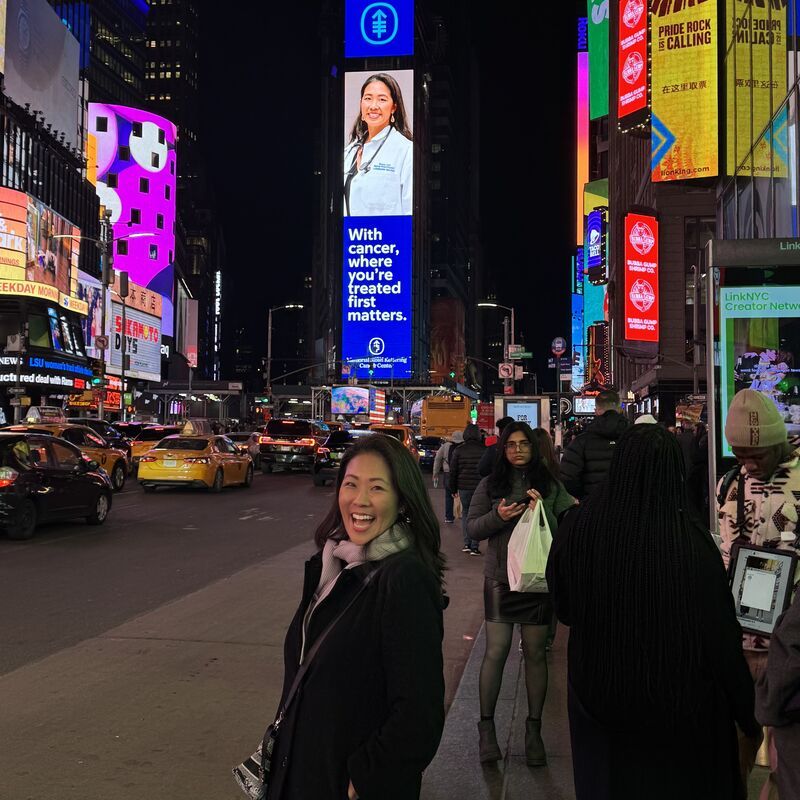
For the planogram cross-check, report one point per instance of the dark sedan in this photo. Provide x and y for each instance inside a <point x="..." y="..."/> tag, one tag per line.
<point x="428" y="446"/>
<point x="114" y="437"/>
<point x="45" y="478"/>
<point x="329" y="455"/>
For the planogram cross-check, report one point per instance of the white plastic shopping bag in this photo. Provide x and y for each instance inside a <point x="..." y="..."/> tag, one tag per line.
<point x="528" y="550"/>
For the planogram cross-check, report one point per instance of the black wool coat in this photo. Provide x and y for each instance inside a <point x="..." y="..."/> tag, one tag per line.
<point x="585" y="463"/>
<point x="463" y="475"/>
<point x="371" y="707"/>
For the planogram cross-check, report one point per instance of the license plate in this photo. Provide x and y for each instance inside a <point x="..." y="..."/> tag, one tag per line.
<point x="170" y="462"/>
<point x="286" y="447"/>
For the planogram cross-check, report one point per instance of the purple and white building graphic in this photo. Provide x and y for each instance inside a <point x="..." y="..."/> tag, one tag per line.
<point x="136" y="181"/>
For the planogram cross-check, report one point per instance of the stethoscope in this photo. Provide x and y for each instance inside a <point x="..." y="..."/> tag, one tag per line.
<point x="364" y="169"/>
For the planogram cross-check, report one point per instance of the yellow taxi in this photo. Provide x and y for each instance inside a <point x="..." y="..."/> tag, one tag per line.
<point x="112" y="459"/>
<point x="148" y="438"/>
<point x="206" y="462"/>
<point x="401" y="432"/>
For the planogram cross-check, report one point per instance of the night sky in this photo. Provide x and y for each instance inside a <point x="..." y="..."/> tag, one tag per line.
<point x="260" y="108"/>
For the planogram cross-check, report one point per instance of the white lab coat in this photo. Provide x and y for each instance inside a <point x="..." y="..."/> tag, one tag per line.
<point x="385" y="188"/>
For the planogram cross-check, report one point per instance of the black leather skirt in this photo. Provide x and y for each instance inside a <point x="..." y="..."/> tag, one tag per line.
<point x="525" y="608"/>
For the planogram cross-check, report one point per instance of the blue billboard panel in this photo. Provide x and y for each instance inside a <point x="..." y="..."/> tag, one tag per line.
<point x="376" y="296"/>
<point x="374" y="30"/>
<point x="578" y="342"/>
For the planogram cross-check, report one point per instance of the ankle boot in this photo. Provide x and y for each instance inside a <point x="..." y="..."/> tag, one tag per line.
<point x="488" y="748"/>
<point x="535" y="755"/>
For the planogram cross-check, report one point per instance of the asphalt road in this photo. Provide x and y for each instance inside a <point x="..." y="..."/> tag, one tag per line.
<point x="73" y="581"/>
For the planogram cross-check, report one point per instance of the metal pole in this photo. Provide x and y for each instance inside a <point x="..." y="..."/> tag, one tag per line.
<point x="506" y="381"/>
<point x="268" y="387"/>
<point x="18" y="378"/>
<point x="512" y="326"/>
<point x="105" y="272"/>
<point x="122" y="374"/>
<point x="188" y="395"/>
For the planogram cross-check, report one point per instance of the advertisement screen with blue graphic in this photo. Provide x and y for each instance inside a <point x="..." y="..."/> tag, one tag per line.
<point x="375" y="29"/>
<point x="376" y="296"/>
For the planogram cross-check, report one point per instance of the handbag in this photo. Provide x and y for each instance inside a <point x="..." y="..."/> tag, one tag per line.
<point x="252" y="774"/>
<point x="458" y="509"/>
<point x="528" y="550"/>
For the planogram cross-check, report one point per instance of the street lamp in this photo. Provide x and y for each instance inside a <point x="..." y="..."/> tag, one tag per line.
<point x="106" y="265"/>
<point x="289" y="306"/>
<point x="487" y="304"/>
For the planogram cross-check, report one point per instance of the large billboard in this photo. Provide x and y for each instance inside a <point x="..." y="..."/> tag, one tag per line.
<point x="598" y="14"/>
<point x="756" y="72"/>
<point x="641" y="278"/>
<point x="578" y="354"/>
<point x="378" y="30"/>
<point x="582" y="131"/>
<point x="142" y="342"/>
<point x="632" y="57"/>
<point x="760" y="348"/>
<point x="41" y="65"/>
<point x="378" y="208"/>
<point x="448" y="348"/>
<point x="39" y="252"/>
<point x="136" y="181"/>
<point x="685" y="119"/>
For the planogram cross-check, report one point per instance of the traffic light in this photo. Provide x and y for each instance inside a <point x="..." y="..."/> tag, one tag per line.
<point x="98" y="380"/>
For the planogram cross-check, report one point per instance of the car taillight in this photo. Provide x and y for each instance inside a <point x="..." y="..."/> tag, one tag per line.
<point x="197" y="460"/>
<point x="323" y="451"/>
<point x="307" y="442"/>
<point x="146" y="459"/>
<point x="266" y="440"/>
<point x="7" y="476"/>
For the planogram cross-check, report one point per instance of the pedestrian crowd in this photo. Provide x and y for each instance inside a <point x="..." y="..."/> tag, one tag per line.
<point x="666" y="696"/>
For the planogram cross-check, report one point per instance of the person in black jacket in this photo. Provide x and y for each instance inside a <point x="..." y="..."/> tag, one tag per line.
<point x="370" y="713"/>
<point x="655" y="662"/>
<point x="491" y="453"/>
<point x="585" y="462"/>
<point x="463" y="478"/>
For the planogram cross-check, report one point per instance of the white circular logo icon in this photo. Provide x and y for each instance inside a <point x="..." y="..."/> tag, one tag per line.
<point x="642" y="295"/>
<point x="642" y="239"/>
<point x="376" y="346"/>
<point x="632" y="68"/>
<point x="633" y="12"/>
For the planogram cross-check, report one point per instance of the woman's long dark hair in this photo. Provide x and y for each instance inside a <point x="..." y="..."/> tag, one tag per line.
<point x="631" y="562"/>
<point x="548" y="451"/>
<point x="358" y="133"/>
<point x="423" y="527"/>
<point x="539" y="476"/>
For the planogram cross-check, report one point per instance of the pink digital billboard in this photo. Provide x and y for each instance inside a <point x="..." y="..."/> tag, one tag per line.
<point x="136" y="180"/>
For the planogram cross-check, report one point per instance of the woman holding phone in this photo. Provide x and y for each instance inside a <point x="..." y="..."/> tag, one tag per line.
<point x="520" y="479"/>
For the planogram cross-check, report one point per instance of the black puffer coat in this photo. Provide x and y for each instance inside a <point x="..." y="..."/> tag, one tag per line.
<point x="585" y="463"/>
<point x="464" y="475"/>
<point x="371" y="708"/>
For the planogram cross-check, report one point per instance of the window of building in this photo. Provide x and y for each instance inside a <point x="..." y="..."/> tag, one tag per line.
<point x="160" y="221"/>
<point x="111" y="180"/>
<point x="166" y="192"/>
<point x="136" y="215"/>
<point x="124" y="153"/>
<point x="162" y="137"/>
<point x="171" y="167"/>
<point x="154" y="252"/>
<point x="154" y="160"/>
<point x="102" y="124"/>
<point x="122" y="247"/>
<point x="136" y="129"/>
<point x="144" y="185"/>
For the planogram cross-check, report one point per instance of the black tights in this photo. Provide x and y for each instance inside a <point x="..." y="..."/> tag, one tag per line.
<point x="498" y="643"/>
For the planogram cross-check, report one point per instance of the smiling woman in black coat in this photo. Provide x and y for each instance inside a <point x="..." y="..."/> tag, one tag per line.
<point x="369" y="715"/>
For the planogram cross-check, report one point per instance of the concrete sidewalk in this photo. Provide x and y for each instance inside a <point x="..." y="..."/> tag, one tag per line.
<point x="456" y="772"/>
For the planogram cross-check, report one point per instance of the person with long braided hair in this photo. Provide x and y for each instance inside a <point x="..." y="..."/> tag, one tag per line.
<point x="657" y="680"/>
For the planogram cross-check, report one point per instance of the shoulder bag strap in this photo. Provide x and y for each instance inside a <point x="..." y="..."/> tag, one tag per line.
<point x="298" y="678"/>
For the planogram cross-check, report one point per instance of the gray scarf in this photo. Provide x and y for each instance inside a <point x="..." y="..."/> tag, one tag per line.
<point x="340" y="554"/>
